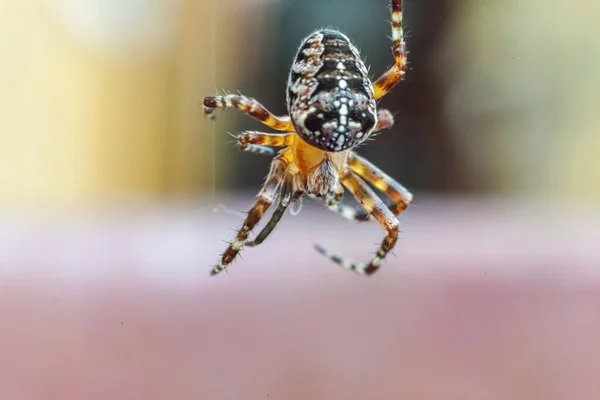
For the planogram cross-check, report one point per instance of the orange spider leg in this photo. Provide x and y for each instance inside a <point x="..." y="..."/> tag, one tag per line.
<point x="374" y="175"/>
<point x="399" y="196"/>
<point x="375" y="207"/>
<point x="286" y="198"/>
<point x="264" y="200"/>
<point x="265" y="139"/>
<point x="395" y="73"/>
<point x="335" y="204"/>
<point x="249" y="106"/>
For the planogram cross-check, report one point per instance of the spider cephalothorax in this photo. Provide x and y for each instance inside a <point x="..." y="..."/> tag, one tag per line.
<point x="332" y="109"/>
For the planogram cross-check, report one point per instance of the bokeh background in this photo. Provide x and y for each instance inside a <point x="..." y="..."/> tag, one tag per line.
<point x="111" y="183"/>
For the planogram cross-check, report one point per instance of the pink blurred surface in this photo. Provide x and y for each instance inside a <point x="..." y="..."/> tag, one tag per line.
<point x="483" y="300"/>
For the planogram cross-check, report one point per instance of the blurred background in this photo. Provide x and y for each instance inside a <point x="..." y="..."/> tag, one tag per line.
<point x="110" y="177"/>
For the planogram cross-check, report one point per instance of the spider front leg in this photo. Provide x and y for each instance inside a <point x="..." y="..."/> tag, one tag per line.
<point x="287" y="197"/>
<point x="375" y="207"/>
<point x="263" y="202"/>
<point x="265" y="139"/>
<point x="395" y="73"/>
<point x="263" y="143"/>
<point x="249" y="106"/>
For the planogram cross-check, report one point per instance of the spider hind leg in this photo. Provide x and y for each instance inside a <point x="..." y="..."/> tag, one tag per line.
<point x="399" y="196"/>
<point x="397" y="200"/>
<point x="335" y="204"/>
<point x="375" y="207"/>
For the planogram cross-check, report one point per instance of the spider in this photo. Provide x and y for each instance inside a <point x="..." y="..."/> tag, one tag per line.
<point x="332" y="107"/>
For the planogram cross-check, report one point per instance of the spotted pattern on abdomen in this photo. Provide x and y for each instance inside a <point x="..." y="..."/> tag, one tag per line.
<point x="329" y="94"/>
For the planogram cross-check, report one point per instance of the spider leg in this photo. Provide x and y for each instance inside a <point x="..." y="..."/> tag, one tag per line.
<point x="249" y="106"/>
<point x="395" y="73"/>
<point x="335" y="204"/>
<point x="399" y="195"/>
<point x="336" y="196"/>
<point x="287" y="196"/>
<point x="357" y="213"/>
<point x="263" y="143"/>
<point x="260" y="149"/>
<point x="265" y="139"/>
<point x="374" y="206"/>
<point x="264" y="200"/>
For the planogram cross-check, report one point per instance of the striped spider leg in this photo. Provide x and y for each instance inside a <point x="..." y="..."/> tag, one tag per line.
<point x="391" y="77"/>
<point x="375" y="207"/>
<point x="287" y="197"/>
<point x="265" y="139"/>
<point x="264" y="200"/>
<point x="382" y="181"/>
<point x="398" y="197"/>
<point x="263" y="143"/>
<point x="249" y="106"/>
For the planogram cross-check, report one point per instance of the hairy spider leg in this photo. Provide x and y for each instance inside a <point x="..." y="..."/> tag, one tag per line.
<point x="357" y="213"/>
<point x="375" y="207"/>
<point x="264" y="200"/>
<point x="335" y="204"/>
<point x="263" y="143"/>
<point x="287" y="196"/>
<point x="265" y="139"/>
<point x="249" y="106"/>
<point x="395" y="73"/>
<point x="399" y="195"/>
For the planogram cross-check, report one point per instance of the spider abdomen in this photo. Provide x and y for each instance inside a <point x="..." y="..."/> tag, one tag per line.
<point x="329" y="94"/>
